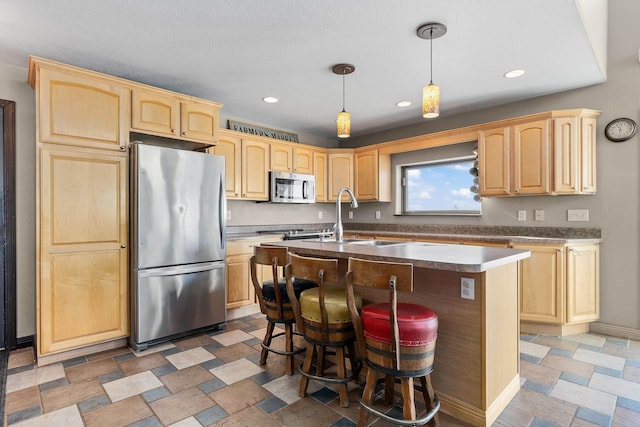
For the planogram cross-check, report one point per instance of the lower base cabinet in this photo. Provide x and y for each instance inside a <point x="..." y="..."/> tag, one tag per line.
<point x="240" y="290"/>
<point x="559" y="288"/>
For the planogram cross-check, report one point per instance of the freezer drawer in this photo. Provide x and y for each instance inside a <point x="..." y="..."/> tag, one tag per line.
<point x="174" y="300"/>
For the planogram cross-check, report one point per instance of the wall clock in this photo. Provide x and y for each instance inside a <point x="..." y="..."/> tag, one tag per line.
<point x="620" y="129"/>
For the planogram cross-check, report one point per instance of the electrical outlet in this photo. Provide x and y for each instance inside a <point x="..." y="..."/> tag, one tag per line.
<point x="539" y="215"/>
<point x="319" y="214"/>
<point x="228" y="215"/>
<point x="377" y="214"/>
<point x="467" y="288"/>
<point x="578" y="215"/>
<point x="350" y="214"/>
<point x="522" y="215"/>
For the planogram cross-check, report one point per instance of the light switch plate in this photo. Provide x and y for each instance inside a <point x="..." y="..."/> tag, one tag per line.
<point x="539" y="214"/>
<point x="350" y="214"/>
<point x="377" y="214"/>
<point x="522" y="215"/>
<point x="319" y="214"/>
<point x="578" y="215"/>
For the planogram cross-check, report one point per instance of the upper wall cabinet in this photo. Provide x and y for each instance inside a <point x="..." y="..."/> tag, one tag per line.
<point x="554" y="155"/>
<point x="164" y="114"/>
<point x="288" y="158"/>
<point x="574" y="155"/>
<point x="81" y="110"/>
<point x="514" y="160"/>
<point x="372" y="176"/>
<point x="320" y="172"/>
<point x="340" y="173"/>
<point x="230" y="147"/>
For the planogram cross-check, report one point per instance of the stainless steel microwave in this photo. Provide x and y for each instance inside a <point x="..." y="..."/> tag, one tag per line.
<point x="288" y="187"/>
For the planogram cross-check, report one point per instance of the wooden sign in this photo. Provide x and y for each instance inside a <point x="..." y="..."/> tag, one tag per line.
<point x="262" y="131"/>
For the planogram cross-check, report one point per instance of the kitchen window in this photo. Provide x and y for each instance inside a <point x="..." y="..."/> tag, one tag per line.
<point x="443" y="187"/>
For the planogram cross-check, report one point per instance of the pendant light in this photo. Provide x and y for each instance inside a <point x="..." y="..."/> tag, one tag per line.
<point x="431" y="92"/>
<point x="344" y="118"/>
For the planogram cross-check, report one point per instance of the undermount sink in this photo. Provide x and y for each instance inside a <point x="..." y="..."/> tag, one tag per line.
<point x="362" y="242"/>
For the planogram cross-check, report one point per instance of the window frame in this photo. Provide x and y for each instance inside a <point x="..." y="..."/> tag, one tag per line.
<point x="402" y="199"/>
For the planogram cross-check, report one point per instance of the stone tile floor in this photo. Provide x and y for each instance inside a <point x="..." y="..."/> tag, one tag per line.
<point x="215" y="379"/>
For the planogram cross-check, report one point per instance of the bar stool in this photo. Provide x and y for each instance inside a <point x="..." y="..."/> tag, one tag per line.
<point x="323" y="318"/>
<point x="394" y="339"/>
<point x="274" y="302"/>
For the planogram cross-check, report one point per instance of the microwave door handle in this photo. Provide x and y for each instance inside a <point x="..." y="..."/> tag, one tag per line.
<point x="305" y="189"/>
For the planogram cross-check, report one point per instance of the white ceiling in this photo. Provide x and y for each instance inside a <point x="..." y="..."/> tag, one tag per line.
<point x="236" y="52"/>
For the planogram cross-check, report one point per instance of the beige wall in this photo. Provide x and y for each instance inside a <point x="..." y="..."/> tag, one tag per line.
<point x="14" y="87"/>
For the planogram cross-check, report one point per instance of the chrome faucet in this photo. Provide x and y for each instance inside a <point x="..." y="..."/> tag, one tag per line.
<point x="338" y="226"/>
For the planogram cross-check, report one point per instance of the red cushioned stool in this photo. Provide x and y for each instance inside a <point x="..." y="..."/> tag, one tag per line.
<point x="394" y="339"/>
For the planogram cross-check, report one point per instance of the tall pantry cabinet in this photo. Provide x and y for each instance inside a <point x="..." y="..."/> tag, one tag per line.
<point x="82" y="295"/>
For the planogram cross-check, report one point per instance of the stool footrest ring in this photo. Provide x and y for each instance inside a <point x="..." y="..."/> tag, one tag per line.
<point x="354" y="373"/>
<point x="296" y="350"/>
<point x="417" y="422"/>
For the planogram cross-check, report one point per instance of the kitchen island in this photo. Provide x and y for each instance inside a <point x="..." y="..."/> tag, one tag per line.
<point x="476" y="370"/>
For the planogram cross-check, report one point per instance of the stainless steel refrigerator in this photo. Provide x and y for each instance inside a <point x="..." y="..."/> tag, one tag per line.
<point x="178" y="245"/>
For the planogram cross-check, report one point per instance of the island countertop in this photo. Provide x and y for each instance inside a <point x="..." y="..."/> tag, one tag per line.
<point x="460" y="258"/>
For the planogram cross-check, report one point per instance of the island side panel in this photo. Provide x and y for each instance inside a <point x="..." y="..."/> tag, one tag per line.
<point x="501" y="343"/>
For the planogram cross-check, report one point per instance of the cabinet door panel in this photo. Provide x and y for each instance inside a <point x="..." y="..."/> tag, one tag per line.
<point x="82" y="111"/>
<point x="199" y="122"/>
<point x="230" y="147"/>
<point x="531" y="145"/>
<point x="239" y="292"/>
<point x="588" y="155"/>
<point x="583" y="290"/>
<point x="154" y="112"/>
<point x="255" y="177"/>
<point x="542" y="284"/>
<point x="302" y="160"/>
<point x="566" y="148"/>
<point x="83" y="248"/>
<point x="494" y="162"/>
<point x="340" y="174"/>
<point x="320" y="172"/>
<point x="366" y="175"/>
<point x="281" y="158"/>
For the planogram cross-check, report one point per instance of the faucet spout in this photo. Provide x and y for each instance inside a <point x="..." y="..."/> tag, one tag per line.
<point x="339" y="232"/>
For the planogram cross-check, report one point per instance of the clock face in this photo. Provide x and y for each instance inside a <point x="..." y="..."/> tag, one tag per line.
<point x="619" y="130"/>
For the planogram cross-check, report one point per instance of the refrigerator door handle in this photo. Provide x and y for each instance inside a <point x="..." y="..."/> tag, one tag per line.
<point x="223" y="211"/>
<point x="181" y="269"/>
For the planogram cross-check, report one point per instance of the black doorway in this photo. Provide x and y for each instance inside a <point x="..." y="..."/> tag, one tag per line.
<point x="8" y="301"/>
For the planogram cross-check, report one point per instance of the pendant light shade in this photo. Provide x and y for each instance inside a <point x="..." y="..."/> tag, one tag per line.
<point x="431" y="92"/>
<point x="344" y="124"/>
<point x="430" y="101"/>
<point x="344" y="118"/>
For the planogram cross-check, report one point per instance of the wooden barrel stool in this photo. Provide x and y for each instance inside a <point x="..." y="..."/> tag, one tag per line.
<point x="323" y="318"/>
<point x="274" y="302"/>
<point x="394" y="339"/>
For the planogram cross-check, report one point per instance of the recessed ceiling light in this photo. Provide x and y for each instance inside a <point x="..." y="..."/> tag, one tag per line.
<point x="270" y="99"/>
<point x="512" y="74"/>
<point x="403" y="104"/>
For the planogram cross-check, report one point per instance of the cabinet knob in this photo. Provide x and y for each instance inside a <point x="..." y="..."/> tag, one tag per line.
<point x="505" y="191"/>
<point x="123" y="246"/>
<point x="122" y="147"/>
<point x="184" y="133"/>
<point x="173" y="131"/>
<point x="573" y="188"/>
<point x="517" y="190"/>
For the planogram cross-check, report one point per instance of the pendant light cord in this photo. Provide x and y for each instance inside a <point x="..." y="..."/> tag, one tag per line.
<point x="343" y="91"/>
<point x="431" y="54"/>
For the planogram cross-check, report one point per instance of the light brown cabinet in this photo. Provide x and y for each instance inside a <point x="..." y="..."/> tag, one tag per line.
<point x="372" y="176"/>
<point x="81" y="110"/>
<point x="255" y="173"/>
<point x="303" y="160"/>
<point x="240" y="291"/>
<point x="82" y="292"/>
<point x="514" y="160"/>
<point x="230" y="146"/>
<point x="165" y="114"/>
<point x="574" y="155"/>
<point x="281" y="157"/>
<point x="320" y="172"/>
<point x="340" y="169"/>
<point x="559" y="288"/>
<point x="247" y="166"/>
